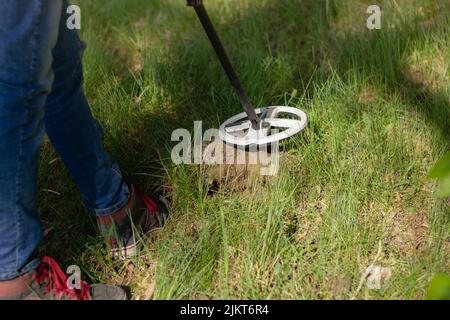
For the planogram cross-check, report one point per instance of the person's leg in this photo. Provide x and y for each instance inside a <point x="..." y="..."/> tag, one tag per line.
<point x="28" y="32"/>
<point x="32" y="55"/>
<point x="76" y="135"/>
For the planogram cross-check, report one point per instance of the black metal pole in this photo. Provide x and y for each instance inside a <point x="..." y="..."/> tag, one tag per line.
<point x="225" y="61"/>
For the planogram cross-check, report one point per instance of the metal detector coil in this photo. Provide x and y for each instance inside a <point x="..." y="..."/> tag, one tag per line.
<point x="253" y="127"/>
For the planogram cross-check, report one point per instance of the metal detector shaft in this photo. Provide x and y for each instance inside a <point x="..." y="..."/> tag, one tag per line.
<point x="225" y="61"/>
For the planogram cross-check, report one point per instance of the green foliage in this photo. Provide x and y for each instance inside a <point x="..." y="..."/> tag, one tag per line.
<point x="441" y="171"/>
<point x="439" y="288"/>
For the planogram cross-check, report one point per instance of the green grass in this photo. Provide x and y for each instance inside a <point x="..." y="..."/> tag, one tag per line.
<point x="379" y="117"/>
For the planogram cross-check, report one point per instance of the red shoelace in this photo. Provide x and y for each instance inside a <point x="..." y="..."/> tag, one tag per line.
<point x="50" y="275"/>
<point x="149" y="203"/>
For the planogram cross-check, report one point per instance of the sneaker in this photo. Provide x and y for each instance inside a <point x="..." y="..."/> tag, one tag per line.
<point x="49" y="282"/>
<point x="141" y="216"/>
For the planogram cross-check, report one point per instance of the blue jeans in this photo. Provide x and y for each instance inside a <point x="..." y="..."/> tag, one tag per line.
<point x="41" y="91"/>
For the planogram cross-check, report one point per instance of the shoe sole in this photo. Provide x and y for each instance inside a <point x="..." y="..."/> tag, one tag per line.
<point x="132" y="251"/>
